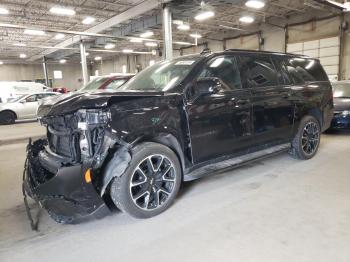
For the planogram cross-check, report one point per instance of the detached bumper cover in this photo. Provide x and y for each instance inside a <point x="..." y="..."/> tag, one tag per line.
<point x="66" y="195"/>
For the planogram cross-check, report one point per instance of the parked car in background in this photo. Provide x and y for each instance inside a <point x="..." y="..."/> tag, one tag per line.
<point x="175" y="121"/>
<point x="341" y="93"/>
<point x="12" y="90"/>
<point x="111" y="82"/>
<point x="107" y="83"/>
<point x="62" y="90"/>
<point x="22" y="107"/>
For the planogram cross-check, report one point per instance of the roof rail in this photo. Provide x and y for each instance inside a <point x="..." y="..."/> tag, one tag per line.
<point x="263" y="52"/>
<point x="206" y="51"/>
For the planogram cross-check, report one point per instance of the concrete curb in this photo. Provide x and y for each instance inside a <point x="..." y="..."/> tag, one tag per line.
<point x="18" y="140"/>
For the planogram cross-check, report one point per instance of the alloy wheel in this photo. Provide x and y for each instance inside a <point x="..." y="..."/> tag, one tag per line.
<point x="310" y="138"/>
<point x="152" y="182"/>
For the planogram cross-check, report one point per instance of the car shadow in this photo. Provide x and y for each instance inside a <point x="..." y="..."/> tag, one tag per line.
<point x="343" y="132"/>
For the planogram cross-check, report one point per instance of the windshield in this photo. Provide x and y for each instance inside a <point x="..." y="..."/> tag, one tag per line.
<point x="341" y="90"/>
<point x="115" y="84"/>
<point x="94" y="84"/>
<point x="162" y="76"/>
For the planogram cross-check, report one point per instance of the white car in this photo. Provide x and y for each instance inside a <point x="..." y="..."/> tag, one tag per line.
<point x="11" y="90"/>
<point x="23" y="107"/>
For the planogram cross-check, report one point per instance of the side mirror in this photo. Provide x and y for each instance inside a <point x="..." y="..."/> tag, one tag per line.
<point x="23" y="101"/>
<point x="208" y="85"/>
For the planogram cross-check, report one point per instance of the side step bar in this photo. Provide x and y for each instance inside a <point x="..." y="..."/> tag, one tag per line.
<point x="235" y="162"/>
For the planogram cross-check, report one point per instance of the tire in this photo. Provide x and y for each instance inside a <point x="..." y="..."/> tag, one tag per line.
<point x="150" y="183"/>
<point x="7" y="118"/>
<point x="307" y="140"/>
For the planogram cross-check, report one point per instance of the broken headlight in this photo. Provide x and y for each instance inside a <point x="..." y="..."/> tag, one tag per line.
<point x="92" y="124"/>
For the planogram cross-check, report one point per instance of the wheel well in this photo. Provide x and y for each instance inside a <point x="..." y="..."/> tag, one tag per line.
<point x="10" y="111"/>
<point x="317" y="114"/>
<point x="123" y="154"/>
<point x="170" y="141"/>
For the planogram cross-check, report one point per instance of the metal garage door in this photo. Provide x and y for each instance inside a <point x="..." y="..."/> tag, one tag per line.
<point x="326" y="49"/>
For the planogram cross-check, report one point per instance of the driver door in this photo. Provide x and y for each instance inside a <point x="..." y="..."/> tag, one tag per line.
<point x="219" y="121"/>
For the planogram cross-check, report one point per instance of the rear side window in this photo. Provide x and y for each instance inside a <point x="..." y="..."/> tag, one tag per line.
<point x="303" y="70"/>
<point x="258" y="71"/>
<point x="283" y="76"/>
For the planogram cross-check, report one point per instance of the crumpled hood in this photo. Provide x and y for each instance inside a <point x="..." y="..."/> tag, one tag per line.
<point x="70" y="103"/>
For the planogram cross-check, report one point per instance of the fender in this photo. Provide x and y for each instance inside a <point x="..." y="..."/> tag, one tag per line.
<point x="172" y="142"/>
<point x="116" y="166"/>
<point x="122" y="157"/>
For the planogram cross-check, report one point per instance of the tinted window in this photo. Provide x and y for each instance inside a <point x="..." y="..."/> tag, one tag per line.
<point x="282" y="72"/>
<point x="224" y="68"/>
<point x="303" y="70"/>
<point x="258" y="71"/>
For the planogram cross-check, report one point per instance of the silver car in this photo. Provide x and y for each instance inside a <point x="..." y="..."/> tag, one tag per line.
<point x="23" y="107"/>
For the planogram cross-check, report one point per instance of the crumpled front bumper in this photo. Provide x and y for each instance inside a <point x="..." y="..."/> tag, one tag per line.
<point x="66" y="195"/>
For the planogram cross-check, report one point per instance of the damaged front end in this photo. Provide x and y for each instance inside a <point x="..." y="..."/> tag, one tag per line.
<point x="65" y="172"/>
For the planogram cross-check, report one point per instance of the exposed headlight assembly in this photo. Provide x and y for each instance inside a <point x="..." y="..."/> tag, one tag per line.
<point x="92" y="117"/>
<point x="91" y="125"/>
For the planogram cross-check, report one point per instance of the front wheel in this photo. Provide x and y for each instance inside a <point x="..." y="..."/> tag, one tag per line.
<point x="150" y="183"/>
<point x="7" y="118"/>
<point x="306" y="142"/>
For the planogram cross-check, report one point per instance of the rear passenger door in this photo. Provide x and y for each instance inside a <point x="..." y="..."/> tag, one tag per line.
<point x="273" y="110"/>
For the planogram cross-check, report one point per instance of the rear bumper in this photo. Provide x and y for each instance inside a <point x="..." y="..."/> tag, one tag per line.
<point x="66" y="195"/>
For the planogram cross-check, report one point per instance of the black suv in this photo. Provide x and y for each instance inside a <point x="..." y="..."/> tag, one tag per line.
<point x="175" y="121"/>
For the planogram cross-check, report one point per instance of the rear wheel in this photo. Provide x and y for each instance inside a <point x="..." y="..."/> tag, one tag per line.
<point x="7" y="118"/>
<point x="150" y="183"/>
<point x="306" y="142"/>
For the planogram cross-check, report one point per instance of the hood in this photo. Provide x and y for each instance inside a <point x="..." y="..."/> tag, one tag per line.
<point x="70" y="103"/>
<point x="341" y="104"/>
